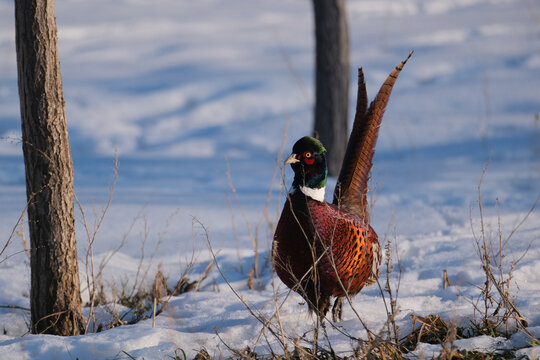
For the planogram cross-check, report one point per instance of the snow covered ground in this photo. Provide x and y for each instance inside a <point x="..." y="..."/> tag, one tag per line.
<point x="192" y="93"/>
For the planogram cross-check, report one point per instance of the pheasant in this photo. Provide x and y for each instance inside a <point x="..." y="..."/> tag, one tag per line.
<point x="320" y="249"/>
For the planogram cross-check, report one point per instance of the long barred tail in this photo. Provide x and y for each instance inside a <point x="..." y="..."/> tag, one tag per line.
<point x="351" y="191"/>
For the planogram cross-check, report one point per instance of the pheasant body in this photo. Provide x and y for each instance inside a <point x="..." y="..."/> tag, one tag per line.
<point x="323" y="250"/>
<point x="346" y="251"/>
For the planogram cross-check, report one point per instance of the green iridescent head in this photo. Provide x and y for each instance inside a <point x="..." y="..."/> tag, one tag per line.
<point x="308" y="162"/>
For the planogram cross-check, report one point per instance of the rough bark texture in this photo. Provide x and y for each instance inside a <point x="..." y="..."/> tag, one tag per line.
<point x="332" y="79"/>
<point x="55" y="298"/>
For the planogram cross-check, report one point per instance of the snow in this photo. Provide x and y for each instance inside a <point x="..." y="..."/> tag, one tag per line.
<point x="196" y="96"/>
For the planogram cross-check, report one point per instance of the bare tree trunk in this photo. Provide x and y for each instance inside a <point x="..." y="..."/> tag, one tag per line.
<point x="332" y="79"/>
<point x="55" y="298"/>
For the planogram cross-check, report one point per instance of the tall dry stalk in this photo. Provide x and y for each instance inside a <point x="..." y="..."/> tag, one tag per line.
<point x="18" y="224"/>
<point x="498" y="311"/>
<point x="91" y="237"/>
<point x="265" y="224"/>
<point x="252" y="235"/>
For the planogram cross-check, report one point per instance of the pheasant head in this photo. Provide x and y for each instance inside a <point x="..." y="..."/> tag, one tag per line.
<point x="308" y="162"/>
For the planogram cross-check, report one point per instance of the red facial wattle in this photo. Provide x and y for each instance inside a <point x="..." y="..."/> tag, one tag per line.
<point x="307" y="157"/>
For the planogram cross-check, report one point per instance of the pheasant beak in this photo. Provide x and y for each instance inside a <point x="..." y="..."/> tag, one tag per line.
<point x="291" y="159"/>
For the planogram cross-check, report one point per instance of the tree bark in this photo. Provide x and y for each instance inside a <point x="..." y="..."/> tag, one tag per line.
<point x="332" y="79"/>
<point x="55" y="298"/>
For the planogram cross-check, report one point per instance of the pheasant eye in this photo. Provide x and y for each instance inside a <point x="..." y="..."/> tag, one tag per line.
<point x="308" y="158"/>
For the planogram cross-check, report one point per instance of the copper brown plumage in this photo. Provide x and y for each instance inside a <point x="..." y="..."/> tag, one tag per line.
<point x="320" y="249"/>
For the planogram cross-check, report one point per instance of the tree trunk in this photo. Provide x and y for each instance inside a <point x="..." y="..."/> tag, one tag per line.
<point x="55" y="298"/>
<point x="332" y="79"/>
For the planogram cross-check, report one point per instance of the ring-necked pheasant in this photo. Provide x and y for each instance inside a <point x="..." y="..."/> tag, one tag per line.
<point x="321" y="249"/>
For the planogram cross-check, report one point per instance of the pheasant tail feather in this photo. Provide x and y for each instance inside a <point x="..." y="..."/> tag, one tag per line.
<point x="346" y="172"/>
<point x="352" y="185"/>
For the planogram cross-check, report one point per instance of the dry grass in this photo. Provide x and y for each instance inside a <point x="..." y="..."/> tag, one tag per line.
<point x="432" y="329"/>
<point x="18" y="229"/>
<point x="495" y="310"/>
<point x="382" y="345"/>
<point x="143" y="301"/>
<point x="91" y="234"/>
<point x="263" y="229"/>
<point x="386" y="344"/>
